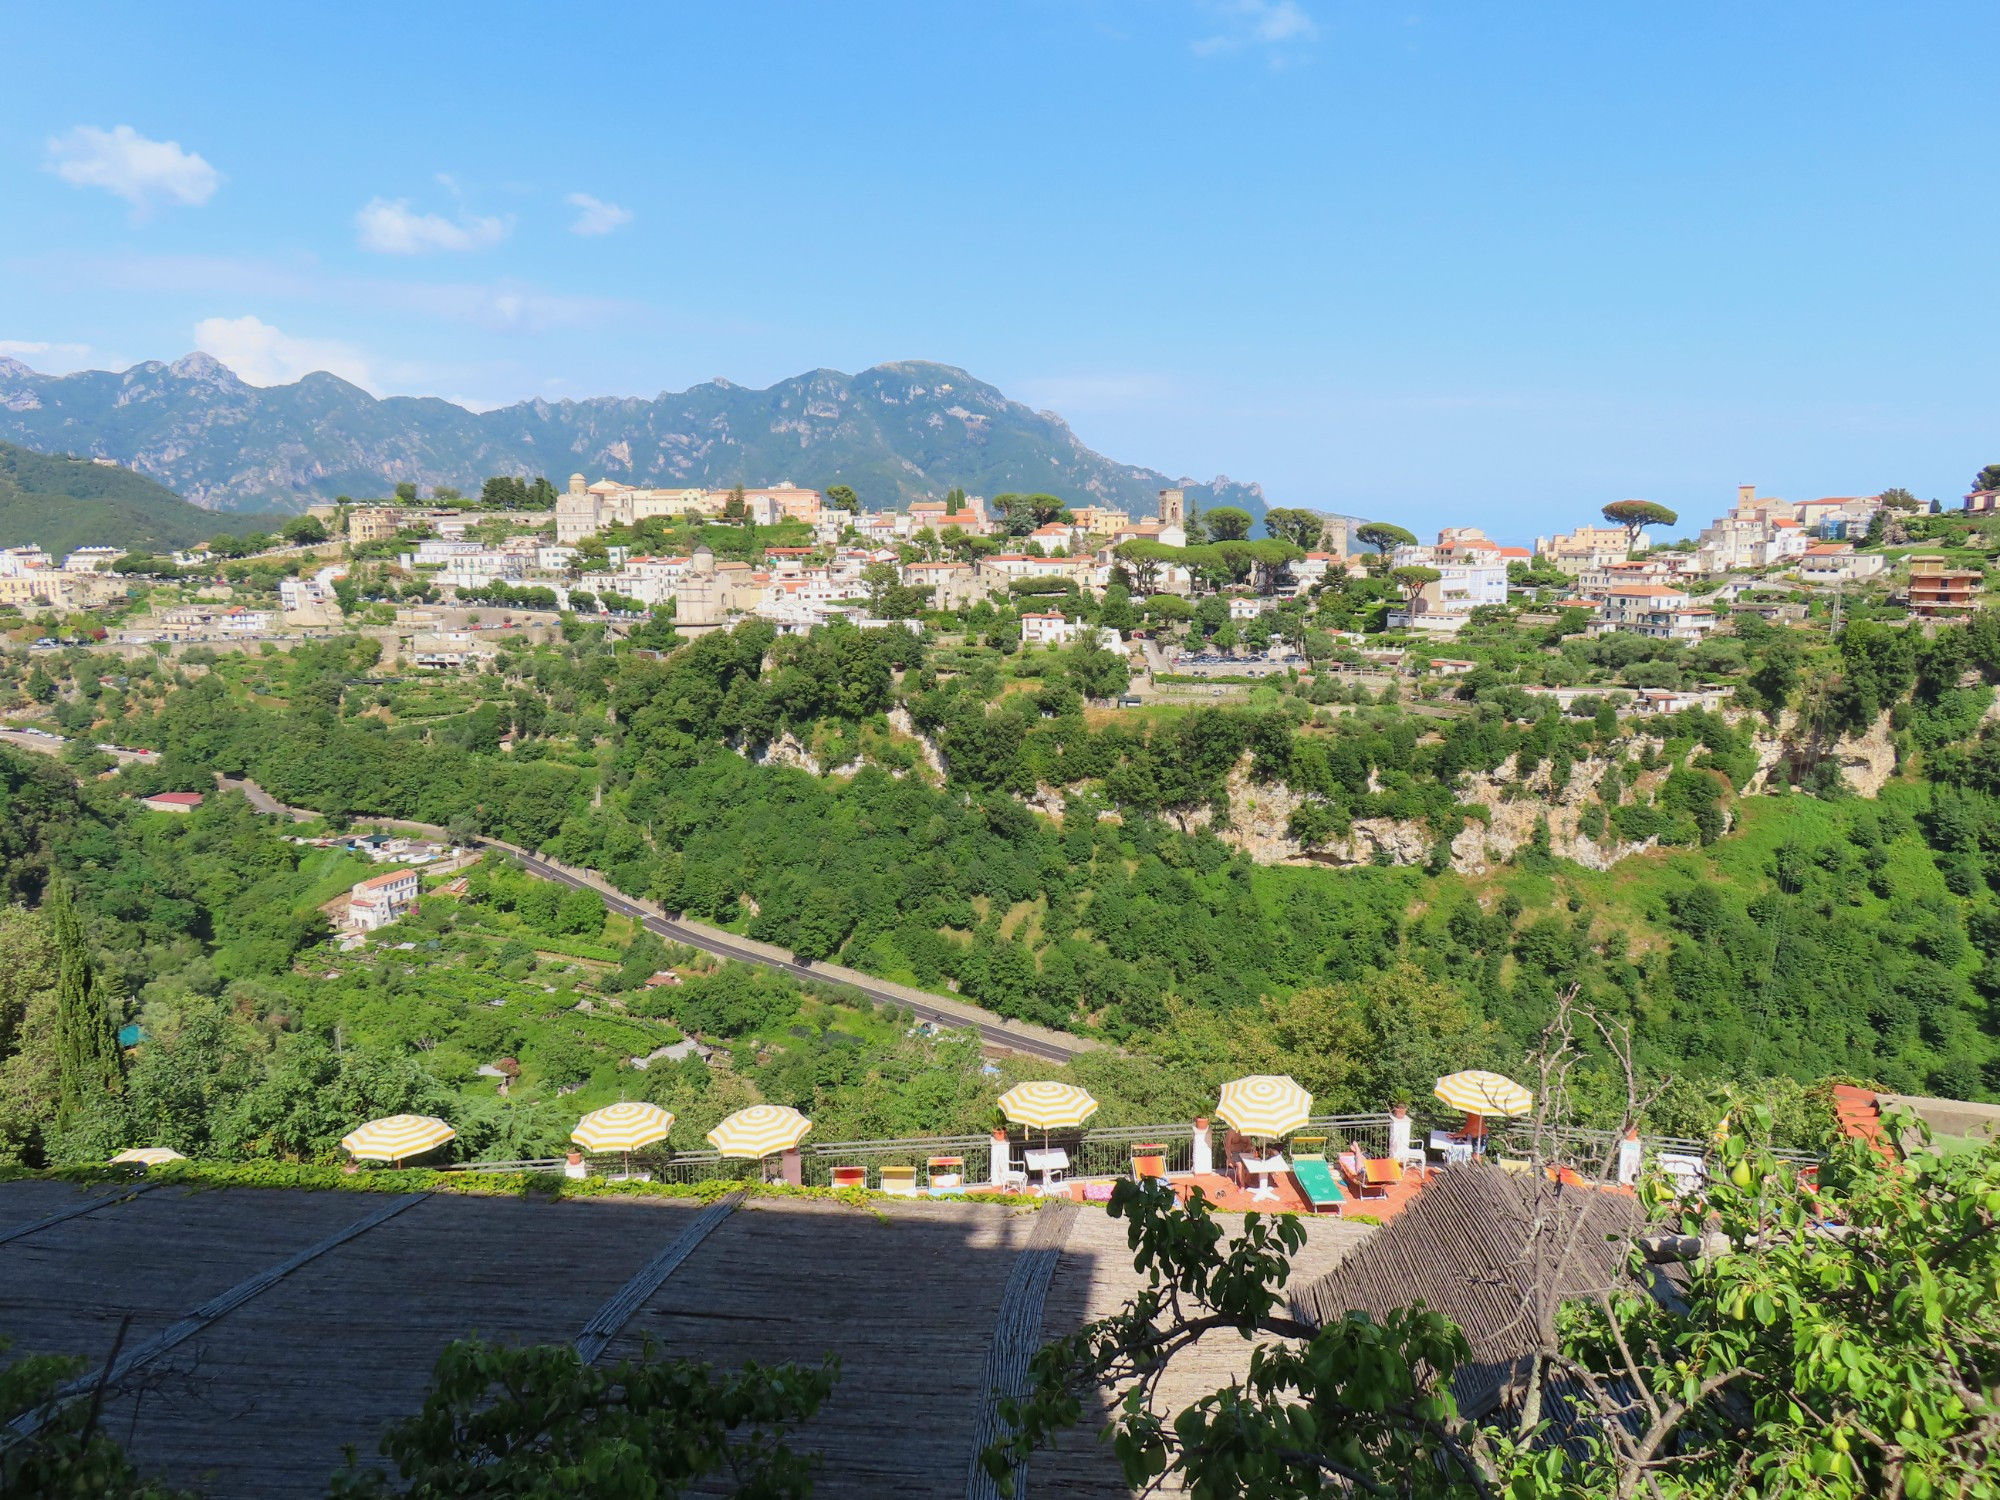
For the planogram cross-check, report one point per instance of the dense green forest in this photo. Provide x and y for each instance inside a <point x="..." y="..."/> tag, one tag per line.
<point x="1791" y="936"/>
<point x="58" y="502"/>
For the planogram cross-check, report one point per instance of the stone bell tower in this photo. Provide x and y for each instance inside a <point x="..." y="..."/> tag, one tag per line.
<point x="1173" y="508"/>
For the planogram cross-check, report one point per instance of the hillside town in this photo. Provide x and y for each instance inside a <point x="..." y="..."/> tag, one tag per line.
<point x="831" y="559"/>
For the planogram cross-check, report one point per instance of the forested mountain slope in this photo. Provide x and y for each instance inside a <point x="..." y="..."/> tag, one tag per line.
<point x="895" y="433"/>
<point x="60" y="503"/>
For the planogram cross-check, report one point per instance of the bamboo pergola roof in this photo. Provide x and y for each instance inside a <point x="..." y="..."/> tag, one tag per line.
<point x="1494" y="1253"/>
<point x="273" y="1327"/>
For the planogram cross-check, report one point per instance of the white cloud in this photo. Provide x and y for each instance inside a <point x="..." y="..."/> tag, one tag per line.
<point x="598" y="217"/>
<point x="263" y="355"/>
<point x="124" y="162"/>
<point x="393" y="228"/>
<point x="1281" y="26"/>
<point x="50" y="359"/>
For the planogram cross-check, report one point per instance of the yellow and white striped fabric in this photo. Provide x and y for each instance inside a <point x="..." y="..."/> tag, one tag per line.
<point x="1478" y="1092"/>
<point x="1266" y="1105"/>
<point x="1047" y="1106"/>
<point x="396" y="1137"/>
<point x="761" y="1130"/>
<point x="622" y="1127"/>
<point x="146" y="1156"/>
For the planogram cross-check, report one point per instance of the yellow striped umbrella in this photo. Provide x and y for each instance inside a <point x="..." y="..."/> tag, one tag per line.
<point x="622" y="1127"/>
<point x="761" y="1130"/>
<point x="1264" y="1105"/>
<point x="147" y="1156"/>
<point x="1047" y="1106"/>
<point x="397" y="1138"/>
<point x="1478" y="1092"/>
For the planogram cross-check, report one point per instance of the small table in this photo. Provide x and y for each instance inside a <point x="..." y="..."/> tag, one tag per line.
<point x="1266" y="1169"/>
<point x="1048" y="1162"/>
<point x="1452" y="1147"/>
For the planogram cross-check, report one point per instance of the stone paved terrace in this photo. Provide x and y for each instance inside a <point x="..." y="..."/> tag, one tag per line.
<point x="922" y="1300"/>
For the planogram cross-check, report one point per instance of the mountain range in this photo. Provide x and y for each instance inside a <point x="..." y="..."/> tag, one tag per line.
<point x="61" y="503"/>
<point x="896" y="433"/>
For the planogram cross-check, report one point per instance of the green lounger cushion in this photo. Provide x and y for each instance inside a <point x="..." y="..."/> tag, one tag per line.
<point x="1315" y="1180"/>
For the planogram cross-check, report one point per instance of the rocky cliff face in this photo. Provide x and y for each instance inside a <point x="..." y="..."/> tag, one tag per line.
<point x="896" y="433"/>
<point x="1259" y="813"/>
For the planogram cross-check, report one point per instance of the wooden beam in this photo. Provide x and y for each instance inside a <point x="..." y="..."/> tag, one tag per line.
<point x="1017" y="1334"/>
<point x="628" y="1299"/>
<point x="109" y="1380"/>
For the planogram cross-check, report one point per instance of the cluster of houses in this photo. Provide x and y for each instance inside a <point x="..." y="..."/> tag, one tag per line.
<point x="31" y="580"/>
<point x="1666" y="594"/>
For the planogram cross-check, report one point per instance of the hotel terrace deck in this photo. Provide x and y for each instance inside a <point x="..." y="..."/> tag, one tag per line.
<point x="285" y="1324"/>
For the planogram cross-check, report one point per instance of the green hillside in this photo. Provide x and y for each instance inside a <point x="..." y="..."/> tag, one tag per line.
<point x="60" y="503"/>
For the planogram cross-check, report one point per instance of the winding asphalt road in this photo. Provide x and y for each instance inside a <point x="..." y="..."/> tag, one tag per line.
<point x="994" y="1032"/>
<point x="1033" y="1041"/>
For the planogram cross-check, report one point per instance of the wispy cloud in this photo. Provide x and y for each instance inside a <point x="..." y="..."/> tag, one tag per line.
<point x="392" y="227"/>
<point x="1282" y="28"/>
<point x="263" y="355"/>
<point x="141" y="171"/>
<point x="50" y="359"/>
<point x="597" y="216"/>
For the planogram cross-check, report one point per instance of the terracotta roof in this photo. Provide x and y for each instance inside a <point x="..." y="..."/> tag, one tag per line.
<point x="386" y="878"/>
<point x="175" y="799"/>
<point x="1643" y="590"/>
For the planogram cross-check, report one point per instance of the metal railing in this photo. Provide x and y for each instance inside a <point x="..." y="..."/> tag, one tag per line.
<point x="1108" y="1152"/>
<point x="818" y="1160"/>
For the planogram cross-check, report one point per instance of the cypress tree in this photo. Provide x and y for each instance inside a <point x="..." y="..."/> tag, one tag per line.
<point x="87" y="1057"/>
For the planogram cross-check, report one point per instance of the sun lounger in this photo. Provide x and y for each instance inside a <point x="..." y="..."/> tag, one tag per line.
<point x="900" y="1182"/>
<point x="850" y="1177"/>
<point x="946" y="1174"/>
<point x="1369" y="1177"/>
<point x="1315" y="1180"/>
<point x="1149" y="1162"/>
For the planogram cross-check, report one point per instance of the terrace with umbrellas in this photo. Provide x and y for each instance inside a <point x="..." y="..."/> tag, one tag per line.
<point x="1263" y="1149"/>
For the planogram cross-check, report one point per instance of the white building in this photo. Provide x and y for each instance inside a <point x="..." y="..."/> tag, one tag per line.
<point x="475" y="570"/>
<point x="381" y="899"/>
<point x="296" y="594"/>
<point x="18" y="562"/>
<point x="240" y="621"/>
<point x="92" y="559"/>
<point x="1050" y="629"/>
<point x="1838" y="562"/>
<point x="448" y="649"/>
<point x="1658" y="610"/>
<point x="1448" y="601"/>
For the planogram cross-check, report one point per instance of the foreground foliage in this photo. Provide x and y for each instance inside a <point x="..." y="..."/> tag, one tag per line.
<point x="1837" y="1337"/>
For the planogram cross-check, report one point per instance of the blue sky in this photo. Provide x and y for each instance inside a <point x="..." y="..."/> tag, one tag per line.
<point x="1437" y="263"/>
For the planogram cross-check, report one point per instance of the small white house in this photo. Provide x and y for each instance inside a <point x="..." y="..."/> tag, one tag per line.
<point x="1050" y="629"/>
<point x="381" y="899"/>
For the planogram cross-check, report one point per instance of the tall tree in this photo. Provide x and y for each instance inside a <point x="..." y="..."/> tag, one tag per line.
<point x="1226" y="523"/>
<point x="1412" y="581"/>
<point x="842" y="497"/>
<point x="1899" y="498"/>
<point x="1636" y="515"/>
<point x="1381" y="535"/>
<point x="87" y="1057"/>
<point x="1302" y="528"/>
